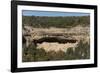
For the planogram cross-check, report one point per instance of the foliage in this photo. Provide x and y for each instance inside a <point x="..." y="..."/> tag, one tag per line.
<point x="61" y="22"/>
<point x="82" y="51"/>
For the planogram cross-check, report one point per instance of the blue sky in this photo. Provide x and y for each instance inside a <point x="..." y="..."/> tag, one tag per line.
<point x="51" y="13"/>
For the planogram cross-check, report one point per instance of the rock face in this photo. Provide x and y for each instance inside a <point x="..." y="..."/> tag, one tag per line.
<point x="55" y="38"/>
<point x="56" y="46"/>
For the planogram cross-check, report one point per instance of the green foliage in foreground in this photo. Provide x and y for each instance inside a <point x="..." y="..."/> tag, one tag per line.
<point x="82" y="51"/>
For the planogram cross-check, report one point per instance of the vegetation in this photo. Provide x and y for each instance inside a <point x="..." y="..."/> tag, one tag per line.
<point x="61" y="22"/>
<point x="31" y="54"/>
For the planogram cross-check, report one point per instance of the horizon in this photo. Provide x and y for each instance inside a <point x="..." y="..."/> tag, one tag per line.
<point x="52" y="13"/>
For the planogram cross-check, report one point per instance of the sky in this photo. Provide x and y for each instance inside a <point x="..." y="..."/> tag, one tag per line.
<point x="51" y="13"/>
